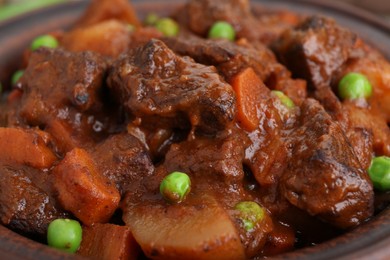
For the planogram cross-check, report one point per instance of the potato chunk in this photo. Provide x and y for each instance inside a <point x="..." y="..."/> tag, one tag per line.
<point x="83" y="190"/>
<point x="109" y="38"/>
<point x="198" y="228"/>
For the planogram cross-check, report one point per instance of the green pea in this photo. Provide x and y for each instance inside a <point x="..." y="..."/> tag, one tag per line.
<point x="130" y="27"/>
<point x="167" y="26"/>
<point x="44" y="41"/>
<point x="64" y="234"/>
<point x="175" y="187"/>
<point x="379" y="173"/>
<point x="283" y="98"/>
<point x="222" y="30"/>
<point x="250" y="213"/>
<point x="354" y="86"/>
<point x="151" y="19"/>
<point x="16" y="76"/>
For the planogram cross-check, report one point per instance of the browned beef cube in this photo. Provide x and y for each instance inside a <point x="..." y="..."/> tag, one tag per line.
<point x="62" y="93"/>
<point x="25" y="204"/>
<point x="55" y="78"/>
<point x="199" y="15"/>
<point x="218" y="158"/>
<point x="232" y="58"/>
<point x="324" y="176"/>
<point x="315" y="50"/>
<point x="154" y="81"/>
<point x="124" y="160"/>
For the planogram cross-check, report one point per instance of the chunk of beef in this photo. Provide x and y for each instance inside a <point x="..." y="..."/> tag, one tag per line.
<point x="218" y="158"/>
<point x="153" y="81"/>
<point x="324" y="176"/>
<point x="26" y="204"/>
<point x="62" y="93"/>
<point x="124" y="160"/>
<point x="231" y="58"/>
<point x="315" y="50"/>
<point x="199" y="15"/>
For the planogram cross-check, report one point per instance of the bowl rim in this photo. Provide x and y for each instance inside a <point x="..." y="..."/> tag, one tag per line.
<point x="366" y="246"/>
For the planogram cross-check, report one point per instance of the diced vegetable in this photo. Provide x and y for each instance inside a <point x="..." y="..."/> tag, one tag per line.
<point x="354" y="85"/>
<point x="168" y="27"/>
<point x="108" y="241"/>
<point x="64" y="234"/>
<point x="250" y="213"/>
<point x="175" y="187"/>
<point x="47" y="41"/>
<point x="103" y="10"/>
<point x="82" y="190"/>
<point x="98" y="38"/>
<point x="185" y="232"/>
<point x="151" y="19"/>
<point x="25" y="147"/>
<point x="16" y="76"/>
<point x="283" y="98"/>
<point x="379" y="172"/>
<point x="222" y="30"/>
<point x="248" y="87"/>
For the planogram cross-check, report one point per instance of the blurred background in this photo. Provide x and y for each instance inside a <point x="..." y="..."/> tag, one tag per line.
<point x="9" y="8"/>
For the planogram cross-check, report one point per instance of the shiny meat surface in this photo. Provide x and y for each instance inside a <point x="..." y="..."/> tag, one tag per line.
<point x="95" y="126"/>
<point x="154" y="81"/>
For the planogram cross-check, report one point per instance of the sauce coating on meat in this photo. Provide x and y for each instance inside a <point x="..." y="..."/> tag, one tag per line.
<point x="275" y="158"/>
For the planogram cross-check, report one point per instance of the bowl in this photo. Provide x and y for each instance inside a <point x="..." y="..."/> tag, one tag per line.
<point x="368" y="241"/>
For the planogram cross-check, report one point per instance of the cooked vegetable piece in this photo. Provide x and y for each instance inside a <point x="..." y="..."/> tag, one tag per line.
<point x="354" y="85"/>
<point x="283" y="98"/>
<point x="222" y="30"/>
<point x="379" y="172"/>
<point x="64" y="234"/>
<point x="99" y="38"/>
<point x="108" y="242"/>
<point x="175" y="187"/>
<point x="250" y="213"/>
<point x="26" y="147"/>
<point x="16" y="76"/>
<point x="47" y="41"/>
<point x="101" y="10"/>
<point x="83" y="190"/>
<point x="185" y="231"/>
<point x="167" y="26"/>
<point x="248" y="88"/>
<point x="151" y="19"/>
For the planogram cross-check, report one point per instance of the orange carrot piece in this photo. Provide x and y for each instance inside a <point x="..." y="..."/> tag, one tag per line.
<point x="83" y="190"/>
<point x="25" y="147"/>
<point x="108" y="242"/>
<point x="249" y="90"/>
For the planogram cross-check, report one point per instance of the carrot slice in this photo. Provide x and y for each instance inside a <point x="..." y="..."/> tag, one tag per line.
<point x="26" y="147"/>
<point x="249" y="92"/>
<point x="108" y="241"/>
